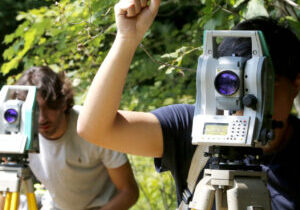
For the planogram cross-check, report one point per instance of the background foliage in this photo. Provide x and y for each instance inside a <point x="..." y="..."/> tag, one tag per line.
<point x="75" y="36"/>
<point x="8" y="12"/>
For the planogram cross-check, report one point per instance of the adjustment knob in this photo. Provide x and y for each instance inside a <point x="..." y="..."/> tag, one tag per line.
<point x="266" y="135"/>
<point x="250" y="101"/>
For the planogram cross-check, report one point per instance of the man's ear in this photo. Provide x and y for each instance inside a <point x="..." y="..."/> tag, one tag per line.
<point x="65" y="107"/>
<point x="296" y="86"/>
<point x="297" y="82"/>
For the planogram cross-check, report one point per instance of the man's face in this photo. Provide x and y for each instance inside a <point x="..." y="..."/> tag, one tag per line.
<point x="52" y="122"/>
<point x="285" y="91"/>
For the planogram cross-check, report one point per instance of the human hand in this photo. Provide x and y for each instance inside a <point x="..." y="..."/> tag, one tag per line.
<point x="134" y="17"/>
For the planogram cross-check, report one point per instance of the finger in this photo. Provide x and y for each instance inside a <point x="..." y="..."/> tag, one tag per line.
<point x="154" y="5"/>
<point x="131" y="11"/>
<point x="143" y="3"/>
<point x="126" y="8"/>
<point x="119" y="10"/>
<point x="137" y="5"/>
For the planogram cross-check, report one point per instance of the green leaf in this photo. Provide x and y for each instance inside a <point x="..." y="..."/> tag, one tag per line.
<point x="9" y="53"/>
<point x="213" y="23"/>
<point x="294" y="25"/>
<point x="255" y="8"/>
<point x="170" y="70"/>
<point x="29" y="38"/>
<point x="9" y="38"/>
<point x="171" y="55"/>
<point x="238" y="3"/>
<point x="12" y="64"/>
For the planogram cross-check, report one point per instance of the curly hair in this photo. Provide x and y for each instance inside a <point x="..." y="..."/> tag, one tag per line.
<point x="55" y="88"/>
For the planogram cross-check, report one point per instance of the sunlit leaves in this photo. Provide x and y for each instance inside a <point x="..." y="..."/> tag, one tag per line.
<point x="157" y="191"/>
<point x="294" y="24"/>
<point x="256" y="8"/>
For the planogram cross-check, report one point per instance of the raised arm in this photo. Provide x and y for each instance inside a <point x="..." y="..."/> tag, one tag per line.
<point x="100" y="122"/>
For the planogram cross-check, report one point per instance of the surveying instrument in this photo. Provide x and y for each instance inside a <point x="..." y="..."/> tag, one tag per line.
<point x="18" y="137"/>
<point x="233" y="119"/>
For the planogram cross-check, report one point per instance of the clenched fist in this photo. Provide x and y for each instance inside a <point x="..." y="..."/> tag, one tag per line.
<point x="134" y="17"/>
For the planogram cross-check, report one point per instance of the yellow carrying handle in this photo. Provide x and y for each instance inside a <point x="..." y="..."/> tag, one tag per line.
<point x="31" y="201"/>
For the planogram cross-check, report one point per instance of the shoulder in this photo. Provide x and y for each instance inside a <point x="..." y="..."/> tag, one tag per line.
<point x="175" y="113"/>
<point x="176" y="108"/>
<point x="176" y="123"/>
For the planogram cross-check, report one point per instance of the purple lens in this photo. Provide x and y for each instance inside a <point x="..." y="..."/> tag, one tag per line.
<point x="227" y="83"/>
<point x="11" y="115"/>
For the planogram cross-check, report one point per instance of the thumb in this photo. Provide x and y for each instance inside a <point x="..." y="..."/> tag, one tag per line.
<point x="154" y="5"/>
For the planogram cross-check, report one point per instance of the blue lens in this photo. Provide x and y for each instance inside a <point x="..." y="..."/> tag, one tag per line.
<point x="11" y="115"/>
<point x="227" y="83"/>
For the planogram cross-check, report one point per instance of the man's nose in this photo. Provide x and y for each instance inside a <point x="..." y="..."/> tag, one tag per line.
<point x="42" y="117"/>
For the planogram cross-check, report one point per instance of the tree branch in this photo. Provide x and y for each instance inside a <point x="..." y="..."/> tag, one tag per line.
<point x="162" y="63"/>
<point x="292" y="3"/>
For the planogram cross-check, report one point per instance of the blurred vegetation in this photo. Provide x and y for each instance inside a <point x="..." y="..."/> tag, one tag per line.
<point x="75" y="36"/>
<point x="8" y="12"/>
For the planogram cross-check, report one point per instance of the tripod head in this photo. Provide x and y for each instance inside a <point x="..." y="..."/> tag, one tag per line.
<point x="18" y="127"/>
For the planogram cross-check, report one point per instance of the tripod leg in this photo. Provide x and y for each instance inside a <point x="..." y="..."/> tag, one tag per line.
<point x="221" y="199"/>
<point x="248" y="193"/>
<point x="15" y="201"/>
<point x="2" y="201"/>
<point x="7" y="201"/>
<point x="31" y="201"/>
<point x="204" y="195"/>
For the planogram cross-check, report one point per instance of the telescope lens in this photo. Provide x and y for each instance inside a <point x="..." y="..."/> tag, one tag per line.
<point x="227" y="83"/>
<point x="11" y="115"/>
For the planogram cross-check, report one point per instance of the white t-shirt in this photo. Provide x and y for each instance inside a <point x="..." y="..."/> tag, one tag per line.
<point x="74" y="170"/>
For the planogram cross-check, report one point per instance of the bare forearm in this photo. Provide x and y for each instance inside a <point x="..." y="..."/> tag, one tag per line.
<point x="99" y="121"/>
<point x="105" y="93"/>
<point x="122" y="201"/>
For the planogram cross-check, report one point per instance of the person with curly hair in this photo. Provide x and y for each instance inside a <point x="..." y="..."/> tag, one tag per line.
<point x="77" y="174"/>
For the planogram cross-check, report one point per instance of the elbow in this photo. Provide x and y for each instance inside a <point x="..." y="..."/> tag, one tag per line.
<point x="84" y="130"/>
<point x="91" y="133"/>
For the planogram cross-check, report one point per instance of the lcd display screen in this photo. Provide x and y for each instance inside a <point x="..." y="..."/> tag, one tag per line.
<point x="215" y="129"/>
